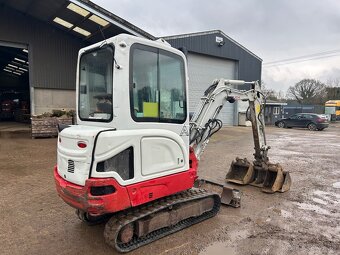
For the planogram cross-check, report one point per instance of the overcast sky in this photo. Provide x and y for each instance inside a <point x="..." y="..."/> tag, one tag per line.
<point x="272" y="29"/>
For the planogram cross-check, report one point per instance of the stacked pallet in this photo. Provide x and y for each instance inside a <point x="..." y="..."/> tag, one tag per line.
<point x="47" y="126"/>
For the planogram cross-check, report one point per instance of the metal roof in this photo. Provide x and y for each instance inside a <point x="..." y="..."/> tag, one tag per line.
<point x="81" y="18"/>
<point x="208" y="33"/>
<point x="273" y="102"/>
<point x="14" y="63"/>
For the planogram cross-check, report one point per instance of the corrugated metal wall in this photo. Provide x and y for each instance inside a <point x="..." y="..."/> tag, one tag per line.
<point x="249" y="67"/>
<point x="52" y="53"/>
<point x="202" y="70"/>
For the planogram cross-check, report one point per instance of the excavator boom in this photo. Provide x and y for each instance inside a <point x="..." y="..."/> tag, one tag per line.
<point x="204" y="123"/>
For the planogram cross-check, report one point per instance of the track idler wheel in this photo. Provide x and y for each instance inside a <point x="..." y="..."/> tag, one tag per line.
<point x="126" y="233"/>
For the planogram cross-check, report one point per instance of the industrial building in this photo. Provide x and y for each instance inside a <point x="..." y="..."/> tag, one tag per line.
<point x="39" y="43"/>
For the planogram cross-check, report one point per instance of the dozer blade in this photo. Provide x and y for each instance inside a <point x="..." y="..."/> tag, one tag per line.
<point x="271" y="178"/>
<point x="241" y="172"/>
<point x="229" y="196"/>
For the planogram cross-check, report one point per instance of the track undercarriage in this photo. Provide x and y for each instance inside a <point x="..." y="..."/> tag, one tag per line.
<point x="139" y="226"/>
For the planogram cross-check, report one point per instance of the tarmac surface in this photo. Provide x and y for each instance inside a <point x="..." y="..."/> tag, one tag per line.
<point x="10" y="126"/>
<point x="305" y="220"/>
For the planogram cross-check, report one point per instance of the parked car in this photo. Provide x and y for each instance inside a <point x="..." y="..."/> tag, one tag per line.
<point x="10" y="101"/>
<point x="312" y="121"/>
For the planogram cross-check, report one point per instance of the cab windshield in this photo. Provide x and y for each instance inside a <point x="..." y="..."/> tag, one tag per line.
<point x="95" y="84"/>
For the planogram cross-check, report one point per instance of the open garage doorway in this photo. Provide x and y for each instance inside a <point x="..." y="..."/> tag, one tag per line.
<point x="14" y="87"/>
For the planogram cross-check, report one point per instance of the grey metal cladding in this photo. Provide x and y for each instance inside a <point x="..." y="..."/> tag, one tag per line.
<point x="249" y="65"/>
<point x="52" y="52"/>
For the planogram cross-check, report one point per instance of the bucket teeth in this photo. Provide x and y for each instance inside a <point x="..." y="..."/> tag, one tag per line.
<point x="269" y="177"/>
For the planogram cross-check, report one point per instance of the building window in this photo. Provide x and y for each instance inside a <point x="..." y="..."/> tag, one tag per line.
<point x="276" y="110"/>
<point x="157" y="85"/>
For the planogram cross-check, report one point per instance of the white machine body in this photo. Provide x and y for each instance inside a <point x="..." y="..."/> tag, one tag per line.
<point x="150" y="121"/>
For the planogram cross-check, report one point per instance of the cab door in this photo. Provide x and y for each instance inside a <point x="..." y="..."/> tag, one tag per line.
<point x="158" y="101"/>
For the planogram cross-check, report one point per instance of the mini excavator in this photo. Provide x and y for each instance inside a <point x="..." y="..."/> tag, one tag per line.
<point x="132" y="156"/>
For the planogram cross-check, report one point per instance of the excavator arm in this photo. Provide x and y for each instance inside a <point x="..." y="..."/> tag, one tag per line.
<point x="204" y="123"/>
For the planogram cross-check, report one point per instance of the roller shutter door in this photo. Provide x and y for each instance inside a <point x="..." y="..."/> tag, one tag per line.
<point x="203" y="70"/>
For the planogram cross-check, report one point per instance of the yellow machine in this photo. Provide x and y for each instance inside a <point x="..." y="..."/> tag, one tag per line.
<point x="332" y="108"/>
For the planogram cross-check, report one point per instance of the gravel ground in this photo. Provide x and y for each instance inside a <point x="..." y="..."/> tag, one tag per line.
<point x="305" y="220"/>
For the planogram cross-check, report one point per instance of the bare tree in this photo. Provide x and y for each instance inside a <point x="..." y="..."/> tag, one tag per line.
<point x="270" y="94"/>
<point x="333" y="89"/>
<point x="335" y="82"/>
<point x="308" y="91"/>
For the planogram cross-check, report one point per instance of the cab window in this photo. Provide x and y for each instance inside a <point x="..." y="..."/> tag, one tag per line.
<point x="95" y="84"/>
<point x="157" y="85"/>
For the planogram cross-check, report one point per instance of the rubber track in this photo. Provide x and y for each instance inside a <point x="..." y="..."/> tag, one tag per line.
<point x="115" y="224"/>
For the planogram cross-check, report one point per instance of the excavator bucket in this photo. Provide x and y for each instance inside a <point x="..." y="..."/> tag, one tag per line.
<point x="260" y="174"/>
<point x="229" y="196"/>
<point x="241" y="172"/>
<point x="271" y="179"/>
